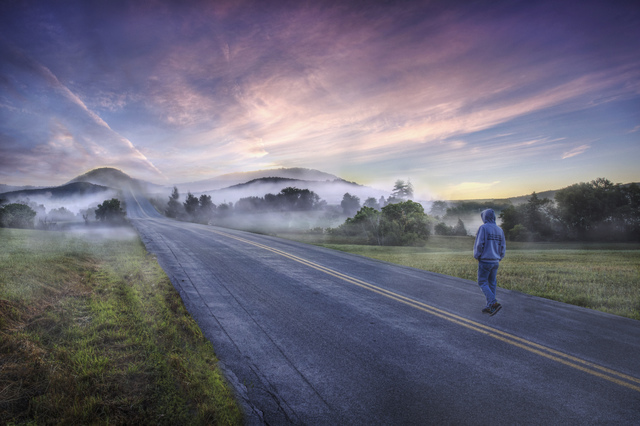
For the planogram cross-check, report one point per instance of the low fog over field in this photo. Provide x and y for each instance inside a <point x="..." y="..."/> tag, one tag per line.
<point x="74" y="197"/>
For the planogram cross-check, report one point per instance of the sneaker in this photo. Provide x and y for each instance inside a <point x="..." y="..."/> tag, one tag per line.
<point x="495" y="308"/>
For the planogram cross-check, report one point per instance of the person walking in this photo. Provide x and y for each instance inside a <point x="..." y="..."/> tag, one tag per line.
<point x="489" y="249"/>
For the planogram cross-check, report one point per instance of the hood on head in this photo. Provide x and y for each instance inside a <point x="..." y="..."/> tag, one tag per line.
<point x="488" y="216"/>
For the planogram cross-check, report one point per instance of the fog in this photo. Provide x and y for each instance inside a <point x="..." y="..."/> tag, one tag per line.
<point x="44" y="204"/>
<point x="282" y="222"/>
<point x="329" y="191"/>
<point x="471" y="222"/>
<point x="95" y="233"/>
<point x="231" y="179"/>
<point x="57" y="212"/>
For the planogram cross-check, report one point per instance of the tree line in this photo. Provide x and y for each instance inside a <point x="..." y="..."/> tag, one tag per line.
<point x="23" y="215"/>
<point x="595" y="211"/>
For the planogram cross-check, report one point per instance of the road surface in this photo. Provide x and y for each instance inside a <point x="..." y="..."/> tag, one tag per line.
<point x="308" y="335"/>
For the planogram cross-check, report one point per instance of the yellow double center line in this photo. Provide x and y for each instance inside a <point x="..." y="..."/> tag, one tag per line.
<point x="552" y="354"/>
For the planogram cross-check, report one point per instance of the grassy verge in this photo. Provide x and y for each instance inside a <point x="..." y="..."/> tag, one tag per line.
<point x="92" y="332"/>
<point x="603" y="276"/>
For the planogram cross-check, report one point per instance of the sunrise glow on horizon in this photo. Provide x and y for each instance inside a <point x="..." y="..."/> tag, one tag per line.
<point x="467" y="100"/>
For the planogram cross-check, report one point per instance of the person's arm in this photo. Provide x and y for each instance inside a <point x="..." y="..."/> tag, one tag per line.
<point x="478" y="247"/>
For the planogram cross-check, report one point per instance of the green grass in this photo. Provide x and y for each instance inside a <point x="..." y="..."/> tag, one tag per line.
<point x="92" y="332"/>
<point x="601" y="276"/>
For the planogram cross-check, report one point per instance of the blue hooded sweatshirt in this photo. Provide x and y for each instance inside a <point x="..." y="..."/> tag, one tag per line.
<point x="490" y="244"/>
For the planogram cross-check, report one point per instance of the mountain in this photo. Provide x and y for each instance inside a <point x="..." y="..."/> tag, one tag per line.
<point x="114" y="178"/>
<point x="74" y="196"/>
<point x="81" y="192"/>
<point x="230" y="179"/>
<point x="11" y="188"/>
<point x="331" y="191"/>
<point x="73" y="189"/>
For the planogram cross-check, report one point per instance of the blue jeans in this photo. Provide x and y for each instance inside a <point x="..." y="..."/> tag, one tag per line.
<point x="487" y="273"/>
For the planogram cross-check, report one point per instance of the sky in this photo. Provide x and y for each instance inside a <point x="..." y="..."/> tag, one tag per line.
<point x="465" y="99"/>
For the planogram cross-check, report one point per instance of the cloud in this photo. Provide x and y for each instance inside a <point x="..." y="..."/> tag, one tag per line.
<point x="77" y="136"/>
<point x="469" y="190"/>
<point x="203" y="87"/>
<point x="575" y="151"/>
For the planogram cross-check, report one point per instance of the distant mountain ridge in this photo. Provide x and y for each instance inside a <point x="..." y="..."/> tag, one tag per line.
<point x="4" y="188"/>
<point x="67" y="190"/>
<point x="115" y="178"/>
<point x="230" y="179"/>
<point x="520" y="199"/>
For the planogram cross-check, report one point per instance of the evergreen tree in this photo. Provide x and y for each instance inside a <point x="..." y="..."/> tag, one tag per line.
<point x="173" y="206"/>
<point x="206" y="209"/>
<point x="402" y="191"/>
<point x="191" y="205"/>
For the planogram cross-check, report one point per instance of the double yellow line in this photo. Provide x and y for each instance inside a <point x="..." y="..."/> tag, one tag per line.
<point x="549" y="353"/>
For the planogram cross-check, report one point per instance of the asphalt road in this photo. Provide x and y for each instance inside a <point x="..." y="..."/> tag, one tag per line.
<point x="313" y="336"/>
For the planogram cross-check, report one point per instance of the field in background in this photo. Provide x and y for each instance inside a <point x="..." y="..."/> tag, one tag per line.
<point x="601" y="276"/>
<point x="92" y="331"/>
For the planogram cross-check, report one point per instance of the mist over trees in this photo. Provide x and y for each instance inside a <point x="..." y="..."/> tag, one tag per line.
<point x="288" y="199"/>
<point x="595" y="211"/>
<point x="458" y="230"/>
<point x="399" y="224"/>
<point x="110" y="212"/>
<point x="206" y="209"/>
<point x="598" y="211"/>
<point x="201" y="210"/>
<point x="402" y="191"/>
<point x="174" y="208"/>
<point x="350" y="204"/>
<point x="16" y="215"/>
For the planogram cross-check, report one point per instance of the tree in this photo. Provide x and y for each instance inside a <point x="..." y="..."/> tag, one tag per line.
<point x="61" y="213"/>
<point x="206" y="209"/>
<point x="438" y="208"/>
<point x="110" y="211"/>
<point x="459" y="229"/>
<point x="532" y="221"/>
<point x="402" y="191"/>
<point x="373" y="203"/>
<point x="405" y="223"/>
<point x="364" y="225"/>
<point x="17" y="216"/>
<point x="173" y="205"/>
<point x="298" y="199"/>
<point x="191" y="205"/>
<point x="442" y="228"/>
<point x="600" y="210"/>
<point x="224" y="209"/>
<point x="250" y="204"/>
<point x="350" y="204"/>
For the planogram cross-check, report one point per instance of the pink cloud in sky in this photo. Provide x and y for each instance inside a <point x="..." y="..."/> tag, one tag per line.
<point x="575" y="151"/>
<point x="194" y="89"/>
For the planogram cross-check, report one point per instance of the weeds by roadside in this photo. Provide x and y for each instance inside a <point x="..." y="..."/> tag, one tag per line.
<point x="92" y="332"/>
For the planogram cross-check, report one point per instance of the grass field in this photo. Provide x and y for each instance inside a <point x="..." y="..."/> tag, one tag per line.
<point x="92" y="332"/>
<point x="602" y="276"/>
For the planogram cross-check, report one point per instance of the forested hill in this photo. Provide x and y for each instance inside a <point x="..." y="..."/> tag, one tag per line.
<point x="69" y="190"/>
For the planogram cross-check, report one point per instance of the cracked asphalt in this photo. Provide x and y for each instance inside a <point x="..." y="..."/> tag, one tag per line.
<point x="307" y="335"/>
